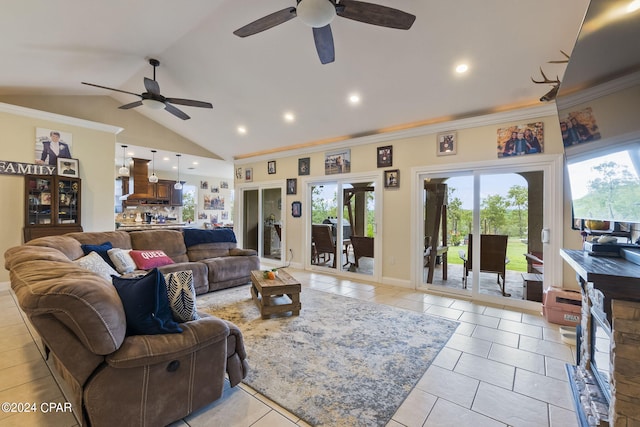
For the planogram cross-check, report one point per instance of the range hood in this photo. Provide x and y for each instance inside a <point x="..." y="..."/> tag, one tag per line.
<point x="138" y="181"/>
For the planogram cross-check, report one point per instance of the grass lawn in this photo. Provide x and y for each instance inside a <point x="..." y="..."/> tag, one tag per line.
<point x="515" y="252"/>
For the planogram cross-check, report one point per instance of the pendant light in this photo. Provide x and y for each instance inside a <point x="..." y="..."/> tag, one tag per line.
<point x="178" y="184"/>
<point x="123" y="171"/>
<point x="153" y="178"/>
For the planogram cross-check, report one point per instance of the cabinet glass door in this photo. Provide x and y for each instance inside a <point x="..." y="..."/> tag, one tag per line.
<point x="39" y="208"/>
<point x="67" y="208"/>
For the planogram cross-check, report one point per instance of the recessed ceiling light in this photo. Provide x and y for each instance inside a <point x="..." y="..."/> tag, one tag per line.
<point x="242" y="130"/>
<point x="354" y="98"/>
<point x="195" y="163"/>
<point x="633" y="6"/>
<point x="166" y="159"/>
<point x="289" y="117"/>
<point x="462" y="68"/>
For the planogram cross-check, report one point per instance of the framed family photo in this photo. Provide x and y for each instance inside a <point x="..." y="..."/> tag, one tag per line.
<point x="392" y="178"/>
<point x="248" y="174"/>
<point x="304" y="166"/>
<point x="271" y="167"/>
<point x="68" y="167"/>
<point x="447" y="143"/>
<point x="296" y="209"/>
<point x="292" y="185"/>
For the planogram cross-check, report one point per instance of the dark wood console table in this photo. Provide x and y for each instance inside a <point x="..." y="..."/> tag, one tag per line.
<point x="616" y="278"/>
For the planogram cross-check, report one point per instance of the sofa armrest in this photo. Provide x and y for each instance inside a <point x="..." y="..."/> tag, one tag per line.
<point x="144" y="350"/>
<point x="242" y="252"/>
<point x="237" y="365"/>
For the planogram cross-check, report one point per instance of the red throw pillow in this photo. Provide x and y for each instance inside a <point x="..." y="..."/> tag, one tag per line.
<point x="146" y="260"/>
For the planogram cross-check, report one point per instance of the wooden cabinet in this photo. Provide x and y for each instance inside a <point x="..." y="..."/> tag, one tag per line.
<point x="162" y="190"/>
<point x="52" y="205"/>
<point x="176" y="196"/>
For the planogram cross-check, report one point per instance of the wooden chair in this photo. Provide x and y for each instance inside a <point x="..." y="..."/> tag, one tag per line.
<point x="493" y="258"/>
<point x="362" y="247"/>
<point x="323" y="243"/>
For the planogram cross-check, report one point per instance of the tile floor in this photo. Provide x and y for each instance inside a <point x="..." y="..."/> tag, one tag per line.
<point x="501" y="368"/>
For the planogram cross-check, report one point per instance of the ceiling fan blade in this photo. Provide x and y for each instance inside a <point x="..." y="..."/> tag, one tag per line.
<point x="110" y="88"/>
<point x="176" y="112"/>
<point x="132" y="105"/>
<point x="152" y="86"/>
<point x="324" y="43"/>
<point x="266" y="22"/>
<point x="189" y="102"/>
<point x="375" y="14"/>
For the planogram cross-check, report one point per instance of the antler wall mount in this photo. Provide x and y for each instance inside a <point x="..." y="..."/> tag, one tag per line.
<point x="551" y="95"/>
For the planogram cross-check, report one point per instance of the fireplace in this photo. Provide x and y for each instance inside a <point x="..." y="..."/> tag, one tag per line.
<point x="605" y="382"/>
<point x="601" y="350"/>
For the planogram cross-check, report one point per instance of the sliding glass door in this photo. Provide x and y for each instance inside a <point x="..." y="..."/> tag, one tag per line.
<point x="482" y="231"/>
<point x="343" y="225"/>
<point x="263" y="222"/>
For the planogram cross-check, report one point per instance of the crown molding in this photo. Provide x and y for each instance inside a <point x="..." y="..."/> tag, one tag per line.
<point x="529" y="113"/>
<point x="59" y="118"/>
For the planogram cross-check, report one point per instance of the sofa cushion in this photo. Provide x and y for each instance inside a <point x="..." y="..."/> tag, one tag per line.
<point x="146" y="305"/>
<point x="194" y="236"/>
<point x="204" y="251"/>
<point x="169" y="241"/>
<point x="223" y="269"/>
<point x="67" y="245"/>
<point x="122" y="260"/>
<point x="146" y="260"/>
<point x="94" y="262"/>
<point x="101" y="250"/>
<point x="118" y="239"/>
<point x="182" y="295"/>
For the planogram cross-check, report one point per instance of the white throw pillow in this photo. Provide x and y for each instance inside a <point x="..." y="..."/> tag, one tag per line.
<point x="182" y="295"/>
<point x="94" y="262"/>
<point x="122" y="260"/>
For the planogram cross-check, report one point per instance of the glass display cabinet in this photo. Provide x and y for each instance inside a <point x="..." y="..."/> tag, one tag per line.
<point x="52" y="205"/>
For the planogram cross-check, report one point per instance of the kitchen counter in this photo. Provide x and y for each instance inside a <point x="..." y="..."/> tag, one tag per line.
<point x="145" y="226"/>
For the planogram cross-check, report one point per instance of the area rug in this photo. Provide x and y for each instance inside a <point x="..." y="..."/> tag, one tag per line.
<point x="341" y="362"/>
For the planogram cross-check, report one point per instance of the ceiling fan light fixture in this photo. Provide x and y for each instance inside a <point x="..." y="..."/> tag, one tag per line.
<point x="316" y="13"/>
<point x="153" y="104"/>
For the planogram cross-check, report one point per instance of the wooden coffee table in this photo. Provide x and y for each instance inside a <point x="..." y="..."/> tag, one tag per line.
<point x="275" y="296"/>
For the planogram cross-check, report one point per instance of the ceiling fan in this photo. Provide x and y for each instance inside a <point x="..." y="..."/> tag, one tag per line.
<point x="318" y="14"/>
<point x="153" y="99"/>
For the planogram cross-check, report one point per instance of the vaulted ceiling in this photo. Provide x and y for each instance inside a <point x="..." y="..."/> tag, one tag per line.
<point x="403" y="78"/>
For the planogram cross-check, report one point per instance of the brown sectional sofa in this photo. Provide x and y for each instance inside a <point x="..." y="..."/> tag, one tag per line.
<point x="114" y="379"/>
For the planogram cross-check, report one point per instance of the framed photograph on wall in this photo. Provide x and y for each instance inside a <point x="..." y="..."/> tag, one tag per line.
<point x="271" y="167"/>
<point x="392" y="178"/>
<point x="248" y="174"/>
<point x="385" y="156"/>
<point x="51" y="144"/>
<point x="337" y="162"/>
<point x="296" y="209"/>
<point x="520" y="140"/>
<point x="68" y="167"/>
<point x="292" y="186"/>
<point x="447" y="143"/>
<point x="304" y="166"/>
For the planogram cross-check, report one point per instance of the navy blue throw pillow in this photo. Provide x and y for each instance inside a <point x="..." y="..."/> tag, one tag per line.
<point x="102" y="250"/>
<point x="146" y="304"/>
